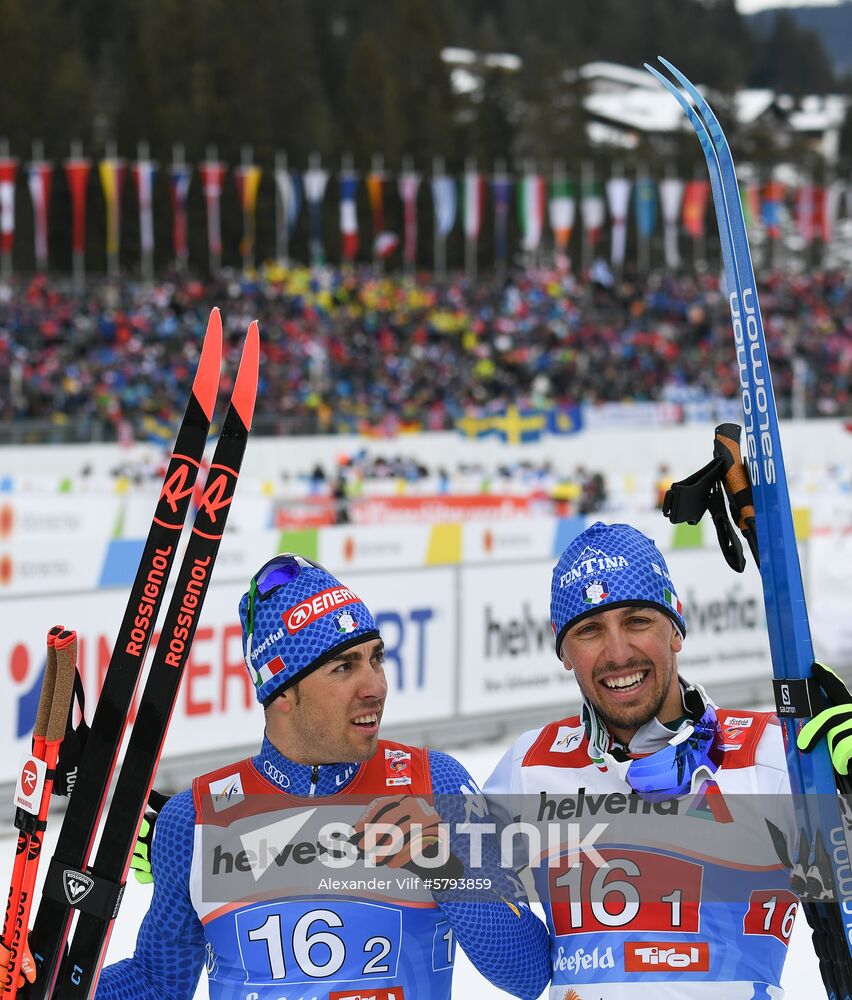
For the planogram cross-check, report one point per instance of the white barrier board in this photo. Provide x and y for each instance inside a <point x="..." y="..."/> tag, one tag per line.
<point x="216" y="705"/>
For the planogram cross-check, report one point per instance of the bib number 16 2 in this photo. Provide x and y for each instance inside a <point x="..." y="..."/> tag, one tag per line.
<point x="298" y="942"/>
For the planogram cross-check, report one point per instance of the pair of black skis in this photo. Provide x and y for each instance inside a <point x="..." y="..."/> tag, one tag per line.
<point x="95" y="889"/>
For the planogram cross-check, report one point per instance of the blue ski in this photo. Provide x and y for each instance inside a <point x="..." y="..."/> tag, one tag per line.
<point x="812" y="777"/>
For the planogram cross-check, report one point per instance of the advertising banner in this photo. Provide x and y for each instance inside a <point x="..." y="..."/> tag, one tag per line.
<point x="508" y="657"/>
<point x="216" y="707"/>
<point x="59" y="518"/>
<point x="41" y="566"/>
<point x="373" y="547"/>
<point x="441" y="508"/>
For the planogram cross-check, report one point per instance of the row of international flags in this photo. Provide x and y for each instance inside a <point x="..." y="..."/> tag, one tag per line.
<point x="507" y="422"/>
<point x="549" y="209"/>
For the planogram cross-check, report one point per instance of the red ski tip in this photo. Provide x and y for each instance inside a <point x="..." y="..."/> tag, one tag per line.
<point x="206" y="384"/>
<point x="245" y="387"/>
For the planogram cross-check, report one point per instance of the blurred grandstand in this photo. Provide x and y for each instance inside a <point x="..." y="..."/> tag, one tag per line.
<point x="347" y="351"/>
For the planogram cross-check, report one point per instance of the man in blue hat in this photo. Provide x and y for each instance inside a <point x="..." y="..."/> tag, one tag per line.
<point x="315" y="656"/>
<point x="649" y="746"/>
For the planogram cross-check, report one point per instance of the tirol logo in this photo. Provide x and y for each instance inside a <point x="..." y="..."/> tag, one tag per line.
<point x="76" y="885"/>
<point x="345" y="623"/>
<point x="662" y="956"/>
<point x="590" y="562"/>
<point x="315" y="607"/>
<point x="595" y="592"/>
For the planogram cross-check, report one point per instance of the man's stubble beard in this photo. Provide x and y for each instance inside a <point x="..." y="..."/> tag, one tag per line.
<point x="632" y="718"/>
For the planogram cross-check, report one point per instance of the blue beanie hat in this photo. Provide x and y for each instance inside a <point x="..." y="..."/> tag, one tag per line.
<point x="610" y="566"/>
<point x="300" y="624"/>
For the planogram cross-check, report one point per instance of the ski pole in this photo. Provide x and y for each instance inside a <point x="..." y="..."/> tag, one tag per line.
<point x="48" y="733"/>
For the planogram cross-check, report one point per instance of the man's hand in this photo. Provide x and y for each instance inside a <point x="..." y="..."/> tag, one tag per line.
<point x="834" y="723"/>
<point x="417" y="830"/>
<point x="140" y="860"/>
<point x="28" y="969"/>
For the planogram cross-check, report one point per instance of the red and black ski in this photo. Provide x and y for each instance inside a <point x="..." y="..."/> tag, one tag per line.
<point x="146" y="596"/>
<point x="104" y="880"/>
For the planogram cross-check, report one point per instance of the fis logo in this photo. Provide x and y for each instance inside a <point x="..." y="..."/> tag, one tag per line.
<point x="567" y="738"/>
<point x="226" y="792"/>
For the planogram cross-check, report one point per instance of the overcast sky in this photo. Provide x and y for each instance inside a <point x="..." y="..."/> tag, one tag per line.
<point x="750" y="6"/>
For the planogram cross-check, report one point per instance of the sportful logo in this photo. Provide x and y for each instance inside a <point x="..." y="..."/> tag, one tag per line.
<point x="320" y="604"/>
<point x="267" y="642"/>
<point x="591" y="562"/>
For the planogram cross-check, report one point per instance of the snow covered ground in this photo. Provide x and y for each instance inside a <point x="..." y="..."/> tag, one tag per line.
<point x="801" y="974"/>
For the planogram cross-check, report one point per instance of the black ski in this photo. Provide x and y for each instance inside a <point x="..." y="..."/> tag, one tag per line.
<point x="104" y="880"/>
<point x="146" y="596"/>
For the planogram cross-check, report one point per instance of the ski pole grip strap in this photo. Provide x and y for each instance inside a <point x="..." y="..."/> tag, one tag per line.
<point x="687" y="500"/>
<point x="84" y="891"/>
<point x="797" y="698"/>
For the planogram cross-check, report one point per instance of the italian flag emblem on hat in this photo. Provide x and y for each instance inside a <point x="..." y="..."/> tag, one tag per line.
<point x="671" y="599"/>
<point x="269" y="670"/>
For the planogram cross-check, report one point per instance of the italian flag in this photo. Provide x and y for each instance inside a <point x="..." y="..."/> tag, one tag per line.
<point x="672" y="599"/>
<point x="269" y="670"/>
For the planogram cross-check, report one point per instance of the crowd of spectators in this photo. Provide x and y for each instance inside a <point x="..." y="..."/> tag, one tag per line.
<point x="357" y="351"/>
